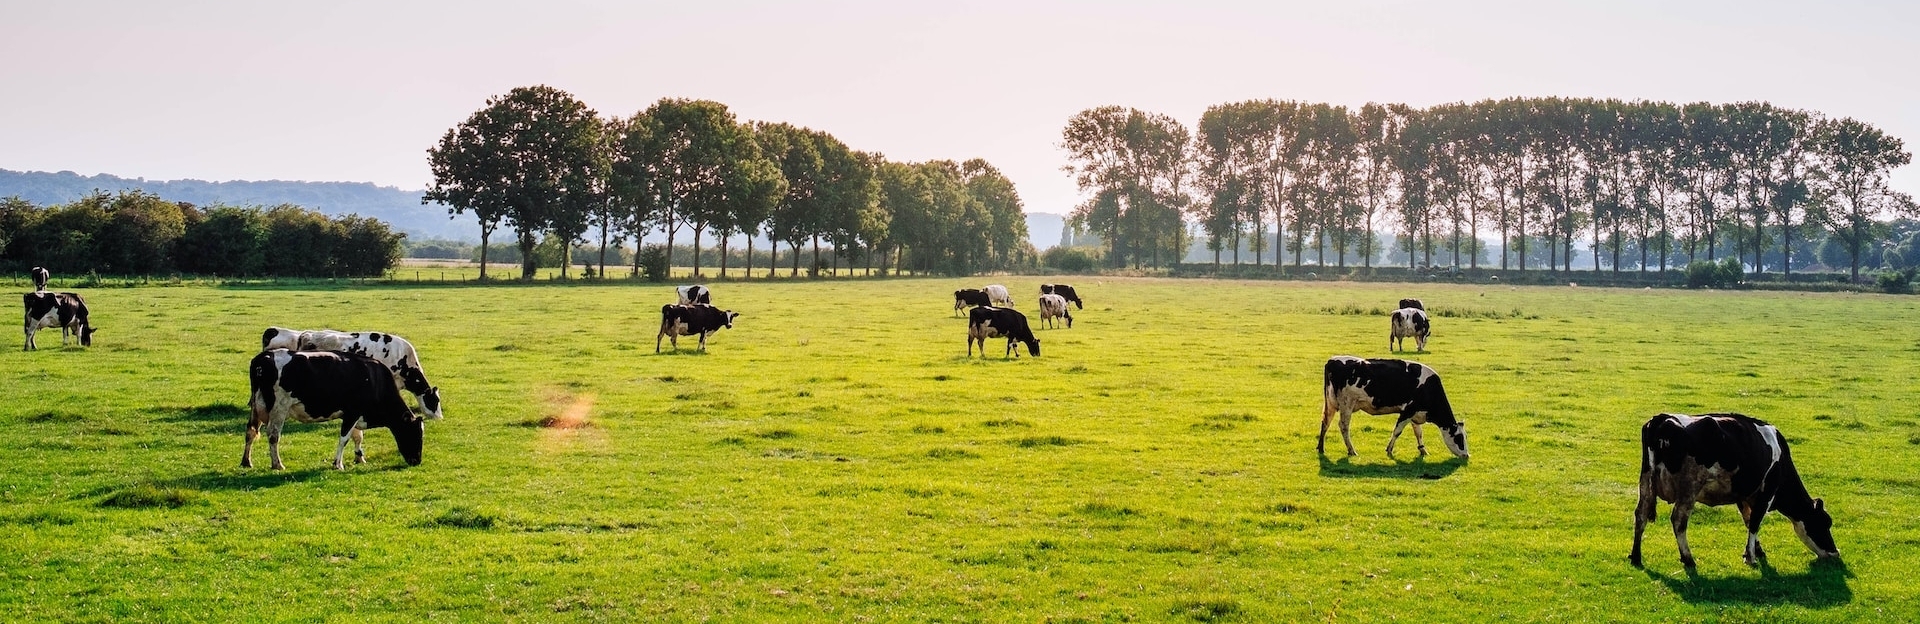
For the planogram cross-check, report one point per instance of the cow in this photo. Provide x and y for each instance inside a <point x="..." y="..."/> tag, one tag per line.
<point x="1720" y="459"/>
<point x="688" y="320"/>
<point x="1408" y="323"/>
<point x="1403" y="387"/>
<point x="67" y="311"/>
<point x="40" y="278"/>
<point x="969" y="297"/>
<point x="1064" y="291"/>
<point x="318" y="386"/>
<point x="1412" y="303"/>
<point x="695" y="294"/>
<point x="990" y="322"/>
<point x="1052" y="307"/>
<point x="997" y="295"/>
<point x="396" y="352"/>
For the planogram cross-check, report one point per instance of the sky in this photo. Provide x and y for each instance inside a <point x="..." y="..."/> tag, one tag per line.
<point x="357" y="91"/>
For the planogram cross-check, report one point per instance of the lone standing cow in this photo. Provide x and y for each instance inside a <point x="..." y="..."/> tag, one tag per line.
<point x="1410" y="389"/>
<point x="1721" y="459"/>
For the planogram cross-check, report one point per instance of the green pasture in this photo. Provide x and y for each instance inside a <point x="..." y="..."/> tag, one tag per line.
<point x="836" y="457"/>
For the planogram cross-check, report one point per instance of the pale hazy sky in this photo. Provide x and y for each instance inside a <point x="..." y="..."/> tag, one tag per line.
<point x="358" y="91"/>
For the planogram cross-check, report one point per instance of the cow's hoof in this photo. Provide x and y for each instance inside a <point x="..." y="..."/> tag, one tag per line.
<point x="246" y="464"/>
<point x="1634" y="559"/>
<point x="1687" y="561"/>
<point x="279" y="467"/>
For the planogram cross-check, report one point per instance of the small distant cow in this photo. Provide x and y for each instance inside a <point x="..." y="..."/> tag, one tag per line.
<point x="1720" y="459"/>
<point x="1407" y="388"/>
<point x="997" y="295"/>
<point x="392" y="350"/>
<point x="1409" y="323"/>
<point x="67" y="311"/>
<point x="40" y="277"/>
<point x="1412" y="303"/>
<point x="1052" y="307"/>
<point x="695" y="294"/>
<point x="689" y="320"/>
<point x="1064" y="291"/>
<point x="990" y="322"/>
<point x="320" y="386"/>
<point x="969" y="297"/>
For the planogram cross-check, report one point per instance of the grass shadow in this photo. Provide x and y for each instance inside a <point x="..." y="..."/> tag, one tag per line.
<point x="218" y="418"/>
<point x="1419" y="468"/>
<point x="1824" y="584"/>
<point x="244" y="479"/>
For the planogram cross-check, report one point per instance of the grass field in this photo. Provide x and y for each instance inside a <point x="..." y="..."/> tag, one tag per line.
<point x="836" y="457"/>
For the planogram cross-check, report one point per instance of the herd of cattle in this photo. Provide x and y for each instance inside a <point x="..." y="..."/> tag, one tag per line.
<point x="358" y="378"/>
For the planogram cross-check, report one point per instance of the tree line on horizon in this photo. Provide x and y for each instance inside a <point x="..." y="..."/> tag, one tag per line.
<point x="138" y="233"/>
<point x="1666" y="181"/>
<point x="542" y="164"/>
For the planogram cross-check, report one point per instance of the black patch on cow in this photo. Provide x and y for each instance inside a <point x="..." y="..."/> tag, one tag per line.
<point x="360" y="388"/>
<point x="1064" y="291"/>
<point x="266" y="337"/>
<point x="971" y="297"/>
<point x="1743" y="453"/>
<point x="1412" y="303"/>
<point x="700" y="320"/>
<point x="992" y="322"/>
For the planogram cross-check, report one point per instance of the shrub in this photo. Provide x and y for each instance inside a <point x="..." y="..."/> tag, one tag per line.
<point x="1896" y="282"/>
<point x="1069" y="259"/>
<point x="1723" y="274"/>
<point x="653" y="263"/>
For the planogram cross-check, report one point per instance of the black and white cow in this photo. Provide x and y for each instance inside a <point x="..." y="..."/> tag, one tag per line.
<point x="318" y="386"/>
<point x="40" y="278"/>
<point x="990" y="322"/>
<point x="67" y="311"/>
<point x="997" y="295"/>
<point x="694" y="294"/>
<point x="1064" y="291"/>
<point x="969" y="297"/>
<point x="1408" y="323"/>
<point x="1720" y="459"/>
<point x="396" y="352"/>
<point x="1412" y="303"/>
<point x="1052" y="307"/>
<point x="689" y="320"/>
<point x="1407" y="388"/>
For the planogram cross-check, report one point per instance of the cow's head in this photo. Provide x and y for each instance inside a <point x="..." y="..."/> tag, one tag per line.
<point x="1033" y="346"/>
<point x="415" y="381"/>
<point x="959" y="301"/>
<point x="407" y="435"/>
<point x="1816" y="530"/>
<point x="730" y="316"/>
<point x="86" y="335"/>
<point x="1455" y="435"/>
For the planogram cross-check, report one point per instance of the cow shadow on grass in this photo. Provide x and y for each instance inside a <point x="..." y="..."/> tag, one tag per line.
<point x="244" y="479"/>
<point x="1418" y="468"/>
<point x="1824" y="584"/>
<point x="217" y="418"/>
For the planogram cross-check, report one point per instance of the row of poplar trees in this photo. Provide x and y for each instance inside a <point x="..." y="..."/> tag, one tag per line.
<point x="539" y="161"/>
<point x="1654" y="178"/>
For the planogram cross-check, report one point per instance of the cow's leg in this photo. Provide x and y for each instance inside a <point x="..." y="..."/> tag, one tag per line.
<point x="273" y="444"/>
<point x="656" y="341"/>
<point x="1642" y="514"/>
<point x="1753" y="514"/>
<point x="1346" y="418"/>
<point x="1326" y="417"/>
<point x="340" y="449"/>
<point x="1010" y="352"/>
<point x="1420" y="439"/>
<point x="1682" y="511"/>
<point x="359" y="445"/>
<point x="28" y="346"/>
<point x="253" y="431"/>
<point x="1399" y="426"/>
<point x="703" y="341"/>
<point x="969" y="346"/>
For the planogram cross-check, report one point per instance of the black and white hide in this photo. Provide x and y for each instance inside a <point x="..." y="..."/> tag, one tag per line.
<point x="990" y="322"/>
<point x="690" y="320"/>
<point x="1722" y="459"/>
<point x="1408" y="323"/>
<point x="1412" y="303"/>
<point x="397" y="353"/>
<point x="46" y="310"/>
<point x="1407" y="388"/>
<point x="694" y="295"/>
<point x="1054" y="307"/>
<point x="969" y="297"/>
<point x="997" y="296"/>
<point x="1064" y="291"/>
<point x="318" y="386"/>
<point x="40" y="279"/>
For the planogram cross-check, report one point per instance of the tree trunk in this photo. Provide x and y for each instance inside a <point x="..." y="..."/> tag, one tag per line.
<point x="794" y="246"/>
<point x="813" y="271"/>
<point x="487" y="232"/>
<point x="773" y="257"/>
<point x="566" y="258"/>
<point x="697" y="230"/>
<point x="723" y="257"/>
<point x="670" y="232"/>
<point x="529" y="265"/>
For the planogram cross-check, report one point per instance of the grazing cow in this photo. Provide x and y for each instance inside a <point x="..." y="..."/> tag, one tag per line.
<point x="318" y="386"/>
<point x="1052" y="307"/>
<point x="1410" y="389"/>
<point x="1409" y="322"/>
<point x="395" y="352"/>
<point x="1412" y="303"/>
<point x="1064" y="291"/>
<point x="969" y="297"/>
<point x="1719" y="459"/>
<point x="67" y="311"/>
<point x="40" y="277"/>
<point x="991" y="322"/>
<point x="695" y="294"/>
<point x="688" y="320"/>
<point x="997" y="295"/>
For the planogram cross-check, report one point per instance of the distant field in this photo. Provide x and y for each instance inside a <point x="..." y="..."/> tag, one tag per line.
<point x="835" y="457"/>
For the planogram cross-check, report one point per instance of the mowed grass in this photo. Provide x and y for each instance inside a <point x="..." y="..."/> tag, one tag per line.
<point x="836" y="457"/>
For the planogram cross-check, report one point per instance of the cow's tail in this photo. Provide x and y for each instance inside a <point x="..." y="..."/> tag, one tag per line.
<point x="1326" y="406"/>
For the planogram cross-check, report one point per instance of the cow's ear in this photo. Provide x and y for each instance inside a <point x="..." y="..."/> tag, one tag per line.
<point x="1820" y="504"/>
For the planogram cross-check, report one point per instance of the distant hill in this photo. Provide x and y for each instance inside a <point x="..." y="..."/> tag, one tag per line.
<point x="402" y="208"/>
<point x="398" y="207"/>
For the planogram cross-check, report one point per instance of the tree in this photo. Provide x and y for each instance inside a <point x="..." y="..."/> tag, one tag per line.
<point x="1855" y="159"/>
<point x="1140" y="159"/>
<point x="681" y="154"/>
<point x="227" y="240"/>
<point x="529" y="158"/>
